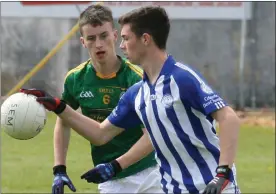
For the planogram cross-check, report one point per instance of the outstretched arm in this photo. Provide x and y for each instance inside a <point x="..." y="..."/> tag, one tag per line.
<point x="96" y="133"/>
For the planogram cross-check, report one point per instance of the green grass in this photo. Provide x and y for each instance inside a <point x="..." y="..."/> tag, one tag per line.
<point x="27" y="165"/>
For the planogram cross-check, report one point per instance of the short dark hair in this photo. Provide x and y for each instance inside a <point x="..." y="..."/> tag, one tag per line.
<point x="153" y="20"/>
<point x="95" y="15"/>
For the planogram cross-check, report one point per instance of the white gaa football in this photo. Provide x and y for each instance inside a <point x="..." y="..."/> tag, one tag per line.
<point x="22" y="117"/>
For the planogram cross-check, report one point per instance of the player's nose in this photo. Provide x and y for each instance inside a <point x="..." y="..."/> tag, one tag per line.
<point x="122" y="45"/>
<point x="98" y="43"/>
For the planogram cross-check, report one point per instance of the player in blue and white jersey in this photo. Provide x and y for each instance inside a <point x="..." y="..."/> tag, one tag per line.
<point x="178" y="108"/>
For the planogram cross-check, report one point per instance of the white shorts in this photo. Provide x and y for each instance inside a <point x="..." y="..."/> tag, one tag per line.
<point x="146" y="181"/>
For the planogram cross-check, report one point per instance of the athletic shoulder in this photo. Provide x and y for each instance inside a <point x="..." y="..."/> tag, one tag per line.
<point x="181" y="69"/>
<point x="70" y="82"/>
<point x="76" y="71"/>
<point x="190" y="79"/>
<point x="133" y="70"/>
<point x="185" y="74"/>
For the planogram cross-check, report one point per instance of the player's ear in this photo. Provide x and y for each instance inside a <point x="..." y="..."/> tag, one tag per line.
<point x="115" y="34"/>
<point x="82" y="42"/>
<point x="146" y="38"/>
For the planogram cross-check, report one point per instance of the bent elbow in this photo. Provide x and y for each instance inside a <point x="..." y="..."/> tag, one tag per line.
<point x="99" y="141"/>
<point x="236" y="119"/>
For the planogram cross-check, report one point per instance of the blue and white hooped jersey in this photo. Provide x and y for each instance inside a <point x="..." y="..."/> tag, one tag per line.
<point x="176" y="112"/>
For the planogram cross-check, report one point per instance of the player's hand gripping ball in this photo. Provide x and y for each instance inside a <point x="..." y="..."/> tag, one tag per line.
<point x="22" y="117"/>
<point x="49" y="102"/>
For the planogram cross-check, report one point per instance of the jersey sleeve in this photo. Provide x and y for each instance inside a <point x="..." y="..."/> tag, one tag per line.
<point x="68" y="94"/>
<point x="199" y="94"/>
<point x="124" y="114"/>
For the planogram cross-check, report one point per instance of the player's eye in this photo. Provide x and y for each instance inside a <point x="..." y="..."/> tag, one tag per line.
<point x="103" y="36"/>
<point x="91" y="38"/>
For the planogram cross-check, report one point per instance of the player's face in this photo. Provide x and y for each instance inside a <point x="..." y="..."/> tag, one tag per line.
<point x="99" y="40"/>
<point x="131" y="46"/>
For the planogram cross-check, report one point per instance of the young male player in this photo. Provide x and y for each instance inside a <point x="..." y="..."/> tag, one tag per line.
<point x="96" y="87"/>
<point x="177" y="107"/>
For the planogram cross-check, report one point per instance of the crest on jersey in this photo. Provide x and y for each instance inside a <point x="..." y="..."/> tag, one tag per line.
<point x="205" y="88"/>
<point x="167" y="100"/>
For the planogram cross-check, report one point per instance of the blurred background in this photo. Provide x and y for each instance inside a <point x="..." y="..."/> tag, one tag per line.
<point x="231" y="43"/>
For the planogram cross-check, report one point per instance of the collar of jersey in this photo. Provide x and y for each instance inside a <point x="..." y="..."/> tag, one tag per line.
<point x="112" y="75"/>
<point x="166" y="69"/>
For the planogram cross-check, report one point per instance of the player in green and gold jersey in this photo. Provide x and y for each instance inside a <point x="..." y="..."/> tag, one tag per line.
<point x="125" y="164"/>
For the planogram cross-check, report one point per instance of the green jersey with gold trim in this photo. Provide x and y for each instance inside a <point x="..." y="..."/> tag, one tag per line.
<point x="97" y="96"/>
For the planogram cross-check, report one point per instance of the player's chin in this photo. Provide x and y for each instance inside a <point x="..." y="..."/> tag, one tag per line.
<point x="129" y="58"/>
<point x="133" y="61"/>
<point x="126" y="56"/>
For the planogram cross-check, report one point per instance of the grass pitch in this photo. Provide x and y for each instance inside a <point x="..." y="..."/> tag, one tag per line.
<point x="26" y="166"/>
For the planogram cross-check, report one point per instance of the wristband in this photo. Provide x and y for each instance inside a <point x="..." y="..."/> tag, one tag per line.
<point x="60" y="108"/>
<point x="116" y="166"/>
<point x="59" y="169"/>
<point x="224" y="171"/>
